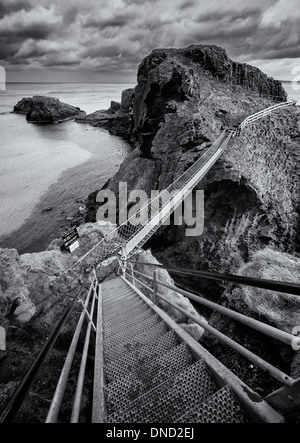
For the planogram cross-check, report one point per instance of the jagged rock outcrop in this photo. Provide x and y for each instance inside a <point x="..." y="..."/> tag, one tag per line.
<point x="31" y="304"/>
<point x="183" y="101"/>
<point x="277" y="309"/>
<point x="117" y="119"/>
<point x="46" y="110"/>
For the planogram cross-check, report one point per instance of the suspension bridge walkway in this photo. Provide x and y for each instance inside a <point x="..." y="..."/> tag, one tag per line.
<point x="147" y="369"/>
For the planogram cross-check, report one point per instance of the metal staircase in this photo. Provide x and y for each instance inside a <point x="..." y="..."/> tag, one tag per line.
<point x="152" y="377"/>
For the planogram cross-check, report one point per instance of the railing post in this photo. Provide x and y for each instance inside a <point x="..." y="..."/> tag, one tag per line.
<point x="155" y="278"/>
<point x="132" y="274"/>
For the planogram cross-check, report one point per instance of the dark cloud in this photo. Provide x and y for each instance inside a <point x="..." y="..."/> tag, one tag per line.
<point x="9" y="6"/>
<point x="114" y="36"/>
<point x="71" y="15"/>
<point x="231" y="15"/>
<point x="187" y="5"/>
<point x="118" y="20"/>
<point x="36" y="23"/>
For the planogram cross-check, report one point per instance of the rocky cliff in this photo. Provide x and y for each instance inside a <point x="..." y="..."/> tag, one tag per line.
<point x="46" y="110"/>
<point x="117" y="119"/>
<point x="183" y="100"/>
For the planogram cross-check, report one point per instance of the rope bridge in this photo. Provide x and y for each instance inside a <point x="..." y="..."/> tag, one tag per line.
<point x="127" y="238"/>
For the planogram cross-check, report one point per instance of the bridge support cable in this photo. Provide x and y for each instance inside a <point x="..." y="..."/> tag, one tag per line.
<point x="135" y="232"/>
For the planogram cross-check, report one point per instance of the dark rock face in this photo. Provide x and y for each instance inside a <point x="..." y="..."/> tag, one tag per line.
<point x="184" y="99"/>
<point x="46" y="110"/>
<point x="117" y="119"/>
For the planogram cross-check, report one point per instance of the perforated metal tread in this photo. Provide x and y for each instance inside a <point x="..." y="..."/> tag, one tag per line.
<point x="124" y="296"/>
<point x="124" y="315"/>
<point x="170" y="400"/>
<point x="128" y="345"/>
<point x="111" y="293"/>
<point x="222" y="407"/>
<point x="142" y="334"/>
<point x="125" y="330"/>
<point x="144" y="378"/>
<point x="140" y="355"/>
<point x="114" y="283"/>
<point x="127" y="296"/>
<point x="122" y="327"/>
<point x="121" y="312"/>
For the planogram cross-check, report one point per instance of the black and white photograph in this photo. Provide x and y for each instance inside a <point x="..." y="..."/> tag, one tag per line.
<point x="149" y="214"/>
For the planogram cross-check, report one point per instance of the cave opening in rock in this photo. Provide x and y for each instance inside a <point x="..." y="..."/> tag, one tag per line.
<point x="158" y="106"/>
<point x="233" y="217"/>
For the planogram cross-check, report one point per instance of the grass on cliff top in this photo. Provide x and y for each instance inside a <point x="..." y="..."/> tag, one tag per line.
<point x="282" y="310"/>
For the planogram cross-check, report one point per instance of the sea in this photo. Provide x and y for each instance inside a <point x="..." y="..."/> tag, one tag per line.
<point x="45" y="171"/>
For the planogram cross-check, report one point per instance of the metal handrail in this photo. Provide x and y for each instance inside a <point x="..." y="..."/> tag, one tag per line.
<point x="250" y="356"/>
<point x="65" y="372"/>
<point x="259" y="326"/>
<point x="271" y="285"/>
<point x="17" y="398"/>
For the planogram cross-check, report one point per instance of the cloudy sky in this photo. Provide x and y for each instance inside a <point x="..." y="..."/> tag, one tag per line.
<point x="105" y="40"/>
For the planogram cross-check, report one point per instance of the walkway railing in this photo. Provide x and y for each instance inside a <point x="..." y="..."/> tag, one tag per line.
<point x="267" y="330"/>
<point x="265" y="112"/>
<point x="18" y="397"/>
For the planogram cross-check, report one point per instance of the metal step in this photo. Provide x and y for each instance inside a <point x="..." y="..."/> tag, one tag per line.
<point x="139" y="356"/>
<point x="115" y="327"/>
<point x="134" y="332"/>
<point x="124" y="316"/>
<point x="128" y="330"/>
<point x="155" y="330"/>
<point x="121" y="310"/>
<point x="127" y="297"/>
<point x="106" y="299"/>
<point x="142" y="334"/>
<point x="222" y="407"/>
<point x="144" y="378"/>
<point x="118" y="281"/>
<point x="110" y="295"/>
<point x="170" y="400"/>
<point x="128" y="292"/>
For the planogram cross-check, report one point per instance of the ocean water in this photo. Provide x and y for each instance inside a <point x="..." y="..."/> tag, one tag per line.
<point x="45" y="167"/>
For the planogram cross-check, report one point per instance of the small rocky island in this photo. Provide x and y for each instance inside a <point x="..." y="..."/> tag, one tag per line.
<point x="46" y="110"/>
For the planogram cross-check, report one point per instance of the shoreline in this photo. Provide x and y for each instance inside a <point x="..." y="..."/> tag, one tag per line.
<point x="42" y="225"/>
